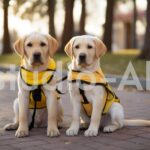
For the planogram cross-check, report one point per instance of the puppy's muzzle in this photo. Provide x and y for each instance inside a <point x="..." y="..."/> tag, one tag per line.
<point x="82" y="58"/>
<point x="37" y="57"/>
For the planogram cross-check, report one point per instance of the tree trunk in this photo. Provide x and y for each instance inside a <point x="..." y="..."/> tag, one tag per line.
<point x="108" y="27"/>
<point x="83" y="17"/>
<point x="128" y="30"/>
<point x="51" y="12"/>
<point x="6" y="37"/>
<point x="134" y="36"/>
<point x="145" y="54"/>
<point x="69" y="23"/>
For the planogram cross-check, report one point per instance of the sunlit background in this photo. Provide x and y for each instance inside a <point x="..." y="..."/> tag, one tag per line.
<point x="95" y="19"/>
<point x="123" y="25"/>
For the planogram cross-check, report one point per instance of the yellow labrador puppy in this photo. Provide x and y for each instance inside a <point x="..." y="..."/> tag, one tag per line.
<point x="36" y="51"/>
<point x="90" y="93"/>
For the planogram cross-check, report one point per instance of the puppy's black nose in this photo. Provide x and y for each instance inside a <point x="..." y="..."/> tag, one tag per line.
<point x="37" y="56"/>
<point x="82" y="58"/>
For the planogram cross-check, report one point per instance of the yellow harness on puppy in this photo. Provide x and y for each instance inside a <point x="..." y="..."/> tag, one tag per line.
<point x="37" y="98"/>
<point x="96" y="78"/>
<point x="37" y="80"/>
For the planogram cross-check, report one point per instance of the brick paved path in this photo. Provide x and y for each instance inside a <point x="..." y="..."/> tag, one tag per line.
<point x="136" y="104"/>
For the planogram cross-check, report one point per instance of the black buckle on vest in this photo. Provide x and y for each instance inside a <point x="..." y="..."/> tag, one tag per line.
<point x="37" y="94"/>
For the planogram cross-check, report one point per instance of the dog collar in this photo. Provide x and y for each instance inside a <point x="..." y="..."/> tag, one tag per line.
<point x="87" y="77"/>
<point x="37" y="97"/>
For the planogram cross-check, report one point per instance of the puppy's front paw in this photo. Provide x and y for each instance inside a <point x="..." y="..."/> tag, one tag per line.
<point x="91" y="132"/>
<point x="72" y="132"/>
<point x="53" y="132"/>
<point x="21" y="133"/>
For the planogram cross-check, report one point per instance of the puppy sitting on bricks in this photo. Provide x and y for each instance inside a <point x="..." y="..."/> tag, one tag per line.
<point x="37" y="103"/>
<point x="90" y="93"/>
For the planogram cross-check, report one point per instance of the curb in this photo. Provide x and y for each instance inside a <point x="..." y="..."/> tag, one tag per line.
<point x="8" y="69"/>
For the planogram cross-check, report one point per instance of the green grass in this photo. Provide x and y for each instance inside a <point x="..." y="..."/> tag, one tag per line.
<point x="117" y="64"/>
<point x="110" y="63"/>
<point x="9" y="59"/>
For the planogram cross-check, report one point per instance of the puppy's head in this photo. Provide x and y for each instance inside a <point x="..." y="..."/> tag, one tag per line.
<point x="36" y="48"/>
<point x="85" y="49"/>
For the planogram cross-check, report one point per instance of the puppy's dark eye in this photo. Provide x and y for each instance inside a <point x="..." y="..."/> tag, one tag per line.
<point x="89" y="46"/>
<point x="43" y="44"/>
<point x="77" y="47"/>
<point x="29" y="44"/>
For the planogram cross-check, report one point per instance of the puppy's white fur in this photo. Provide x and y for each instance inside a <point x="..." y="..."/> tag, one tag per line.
<point x="94" y="49"/>
<point x="44" y="117"/>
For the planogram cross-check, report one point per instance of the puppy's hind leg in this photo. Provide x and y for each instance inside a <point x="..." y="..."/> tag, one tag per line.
<point x="117" y="118"/>
<point x="85" y="120"/>
<point x="15" y="124"/>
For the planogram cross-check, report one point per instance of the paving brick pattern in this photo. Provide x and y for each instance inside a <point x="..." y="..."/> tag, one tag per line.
<point x="136" y="105"/>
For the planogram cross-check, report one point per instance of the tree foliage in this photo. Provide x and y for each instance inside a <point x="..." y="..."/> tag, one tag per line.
<point x="28" y="9"/>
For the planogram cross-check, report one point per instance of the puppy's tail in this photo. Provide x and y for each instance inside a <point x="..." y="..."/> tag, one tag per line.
<point x="136" y="122"/>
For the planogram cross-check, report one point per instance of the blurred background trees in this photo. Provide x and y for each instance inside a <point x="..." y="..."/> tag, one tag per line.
<point x="108" y="26"/>
<point x="40" y="8"/>
<point x="145" y="54"/>
<point x="6" y="37"/>
<point x="134" y="35"/>
<point x="51" y="14"/>
<point x="120" y="28"/>
<point x="83" y="18"/>
<point x="69" y="22"/>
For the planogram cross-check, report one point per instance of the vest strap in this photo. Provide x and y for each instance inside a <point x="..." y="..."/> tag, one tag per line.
<point x="37" y="96"/>
<point x="85" y="82"/>
<point x="85" y="102"/>
<point x="33" y="117"/>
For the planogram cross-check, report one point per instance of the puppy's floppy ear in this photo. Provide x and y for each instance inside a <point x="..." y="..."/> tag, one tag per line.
<point x="19" y="46"/>
<point x="100" y="47"/>
<point x="69" y="47"/>
<point x="52" y="45"/>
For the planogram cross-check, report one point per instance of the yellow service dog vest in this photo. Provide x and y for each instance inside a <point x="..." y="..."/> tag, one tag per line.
<point x="37" y="79"/>
<point x="96" y="78"/>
